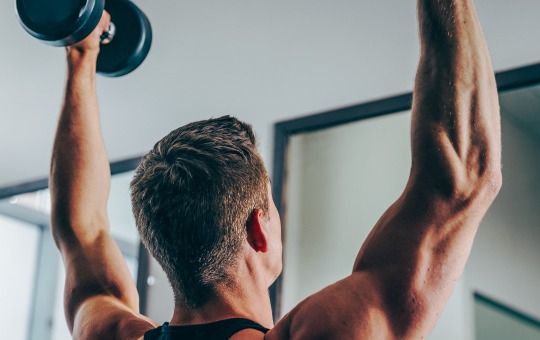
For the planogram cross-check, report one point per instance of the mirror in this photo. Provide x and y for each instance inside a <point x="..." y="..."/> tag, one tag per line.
<point x="340" y="179"/>
<point x="33" y="288"/>
<point x="494" y="320"/>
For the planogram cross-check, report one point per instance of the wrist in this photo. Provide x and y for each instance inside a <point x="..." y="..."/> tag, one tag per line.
<point x="79" y="57"/>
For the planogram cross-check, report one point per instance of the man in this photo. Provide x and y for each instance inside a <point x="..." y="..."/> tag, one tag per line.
<point x="203" y="207"/>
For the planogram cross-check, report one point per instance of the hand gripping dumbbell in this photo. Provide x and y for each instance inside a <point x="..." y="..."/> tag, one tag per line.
<point x="67" y="22"/>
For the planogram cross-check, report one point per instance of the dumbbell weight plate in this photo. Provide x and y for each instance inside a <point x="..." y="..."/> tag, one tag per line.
<point x="59" y="22"/>
<point x="131" y="42"/>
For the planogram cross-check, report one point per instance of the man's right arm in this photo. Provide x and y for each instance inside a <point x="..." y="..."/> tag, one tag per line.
<point x="100" y="297"/>
<point x="410" y="262"/>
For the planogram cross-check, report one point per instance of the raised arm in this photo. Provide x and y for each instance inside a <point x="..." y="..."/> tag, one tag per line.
<point x="410" y="262"/>
<point x="421" y="244"/>
<point x="98" y="284"/>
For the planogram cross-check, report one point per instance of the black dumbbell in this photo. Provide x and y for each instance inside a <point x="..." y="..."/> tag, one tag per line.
<point x="67" y="22"/>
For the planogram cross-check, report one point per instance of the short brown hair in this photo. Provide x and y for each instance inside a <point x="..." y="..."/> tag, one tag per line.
<point x="192" y="195"/>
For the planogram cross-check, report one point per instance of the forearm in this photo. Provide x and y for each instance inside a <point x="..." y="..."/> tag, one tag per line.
<point x="80" y="175"/>
<point x="456" y="124"/>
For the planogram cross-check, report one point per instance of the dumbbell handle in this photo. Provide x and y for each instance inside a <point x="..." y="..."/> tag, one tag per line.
<point x="108" y="36"/>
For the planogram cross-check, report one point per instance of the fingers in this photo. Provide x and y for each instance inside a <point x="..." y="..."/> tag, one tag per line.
<point x="105" y="29"/>
<point x="93" y="41"/>
<point x="104" y="23"/>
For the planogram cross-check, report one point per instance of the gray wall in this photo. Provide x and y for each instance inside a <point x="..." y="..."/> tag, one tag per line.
<point x="263" y="61"/>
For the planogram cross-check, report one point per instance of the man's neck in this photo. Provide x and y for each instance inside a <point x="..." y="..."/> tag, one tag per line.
<point x="248" y="299"/>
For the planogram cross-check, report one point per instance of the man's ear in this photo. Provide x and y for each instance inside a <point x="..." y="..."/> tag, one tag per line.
<point x="256" y="234"/>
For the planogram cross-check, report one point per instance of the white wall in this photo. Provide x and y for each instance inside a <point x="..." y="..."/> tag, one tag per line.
<point x="21" y="241"/>
<point x="346" y="177"/>
<point x="262" y="61"/>
<point x="505" y="259"/>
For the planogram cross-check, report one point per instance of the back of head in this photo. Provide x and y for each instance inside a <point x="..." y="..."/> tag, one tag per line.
<point x="192" y="195"/>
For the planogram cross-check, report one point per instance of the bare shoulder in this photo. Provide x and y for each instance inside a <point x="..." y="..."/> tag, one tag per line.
<point x="352" y="308"/>
<point x="105" y="317"/>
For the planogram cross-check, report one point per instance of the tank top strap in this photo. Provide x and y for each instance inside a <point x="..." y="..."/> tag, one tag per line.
<point x="219" y="330"/>
<point x="237" y="325"/>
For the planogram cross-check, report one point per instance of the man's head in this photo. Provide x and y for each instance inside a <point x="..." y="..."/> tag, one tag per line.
<point x="194" y="195"/>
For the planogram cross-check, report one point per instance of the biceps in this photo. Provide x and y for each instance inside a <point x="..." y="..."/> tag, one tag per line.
<point x="97" y="268"/>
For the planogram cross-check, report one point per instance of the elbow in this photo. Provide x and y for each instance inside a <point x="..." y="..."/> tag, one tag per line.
<point x="482" y="172"/>
<point x="476" y="177"/>
<point x="494" y="183"/>
<point x="477" y="187"/>
<point x="459" y="186"/>
<point x="486" y="180"/>
<point x="71" y="227"/>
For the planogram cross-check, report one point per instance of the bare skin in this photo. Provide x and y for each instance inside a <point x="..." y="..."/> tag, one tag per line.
<point x="405" y="270"/>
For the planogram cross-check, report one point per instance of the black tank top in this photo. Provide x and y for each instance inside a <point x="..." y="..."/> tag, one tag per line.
<point x="219" y="330"/>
